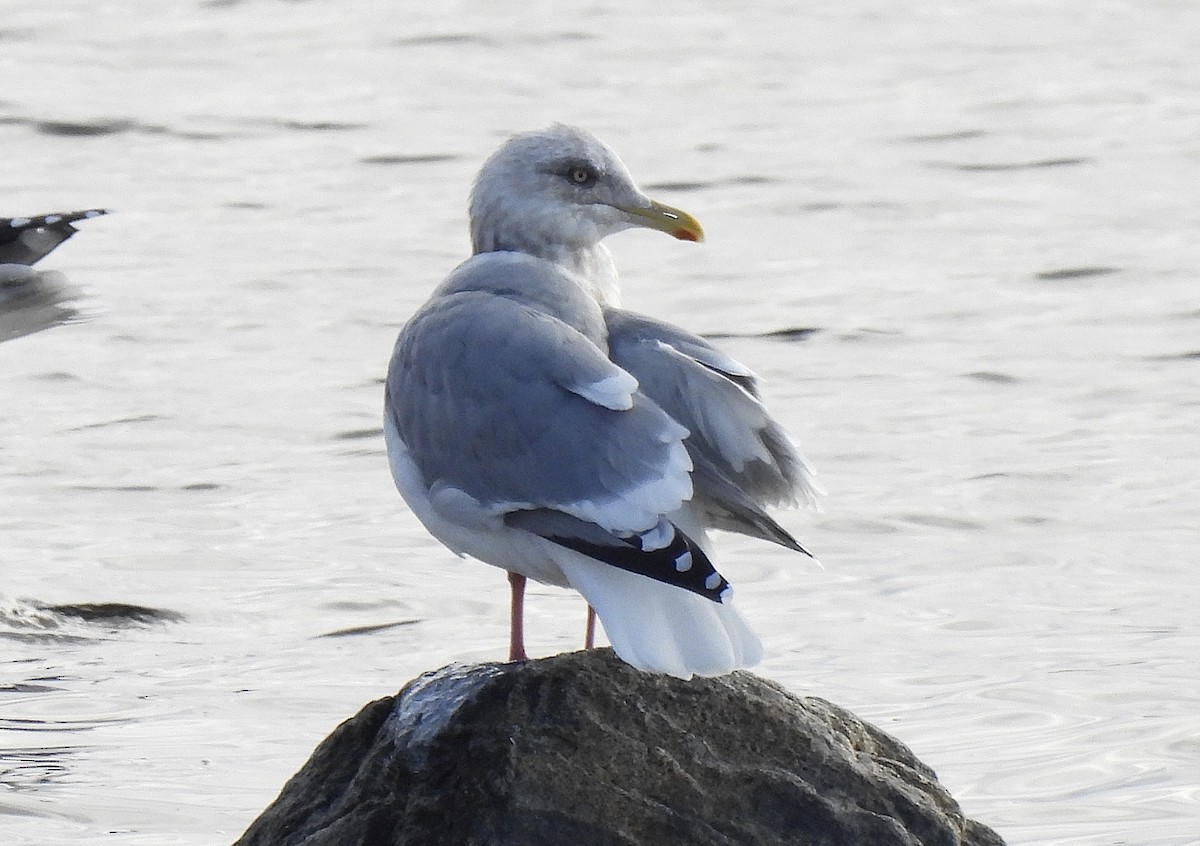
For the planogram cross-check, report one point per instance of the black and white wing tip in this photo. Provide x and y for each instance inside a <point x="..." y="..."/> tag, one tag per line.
<point x="28" y="240"/>
<point x="662" y="553"/>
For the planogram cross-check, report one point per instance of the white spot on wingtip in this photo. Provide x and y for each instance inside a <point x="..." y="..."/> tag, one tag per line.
<point x="712" y="581"/>
<point x="658" y="537"/>
<point x="684" y="562"/>
<point x="18" y="222"/>
<point x="726" y="594"/>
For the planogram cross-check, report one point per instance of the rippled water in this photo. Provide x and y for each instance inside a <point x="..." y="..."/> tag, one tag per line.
<point x="986" y="210"/>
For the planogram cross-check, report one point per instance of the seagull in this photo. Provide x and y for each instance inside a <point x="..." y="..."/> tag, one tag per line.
<point x="32" y="300"/>
<point x="535" y="425"/>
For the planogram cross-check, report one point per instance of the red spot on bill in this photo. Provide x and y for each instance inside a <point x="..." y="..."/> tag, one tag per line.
<point x="685" y="235"/>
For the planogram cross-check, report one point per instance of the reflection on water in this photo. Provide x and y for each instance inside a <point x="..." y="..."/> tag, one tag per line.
<point x="32" y="300"/>
<point x="958" y="248"/>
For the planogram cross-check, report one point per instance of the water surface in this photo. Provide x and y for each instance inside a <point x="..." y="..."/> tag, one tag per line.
<point x="957" y="241"/>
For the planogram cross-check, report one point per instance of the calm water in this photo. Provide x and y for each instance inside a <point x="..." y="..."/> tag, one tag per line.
<point x="987" y="209"/>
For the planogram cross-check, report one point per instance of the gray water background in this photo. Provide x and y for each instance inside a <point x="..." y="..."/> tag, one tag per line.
<point x="989" y="210"/>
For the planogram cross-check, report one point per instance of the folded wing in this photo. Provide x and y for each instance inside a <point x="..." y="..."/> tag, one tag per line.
<point x="744" y="461"/>
<point x="517" y="410"/>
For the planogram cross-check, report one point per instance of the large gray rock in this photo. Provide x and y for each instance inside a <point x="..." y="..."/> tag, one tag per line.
<point x="582" y="749"/>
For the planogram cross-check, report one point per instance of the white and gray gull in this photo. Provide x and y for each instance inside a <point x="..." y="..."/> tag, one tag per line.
<point x="32" y="300"/>
<point x="533" y="424"/>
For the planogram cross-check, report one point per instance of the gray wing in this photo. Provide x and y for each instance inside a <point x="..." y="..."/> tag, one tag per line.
<point x="518" y="410"/>
<point x="744" y="461"/>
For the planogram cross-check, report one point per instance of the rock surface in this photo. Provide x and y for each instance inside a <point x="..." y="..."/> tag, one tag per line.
<point x="582" y="749"/>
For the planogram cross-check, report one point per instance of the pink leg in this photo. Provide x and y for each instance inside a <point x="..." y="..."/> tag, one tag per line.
<point x="589" y="635"/>
<point x="516" y="632"/>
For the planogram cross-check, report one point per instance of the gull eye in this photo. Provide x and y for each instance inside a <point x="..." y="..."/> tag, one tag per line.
<point x="582" y="176"/>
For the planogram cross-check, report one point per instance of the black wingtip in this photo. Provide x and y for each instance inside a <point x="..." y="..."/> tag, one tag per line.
<point x="680" y="562"/>
<point x="662" y="553"/>
<point x="799" y="547"/>
<point x="772" y="531"/>
<point x="28" y="240"/>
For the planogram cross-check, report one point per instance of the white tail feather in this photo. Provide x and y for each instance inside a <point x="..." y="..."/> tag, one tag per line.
<point x="660" y="628"/>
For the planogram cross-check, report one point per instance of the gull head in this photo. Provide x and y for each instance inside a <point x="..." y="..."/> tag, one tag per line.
<point x="561" y="190"/>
